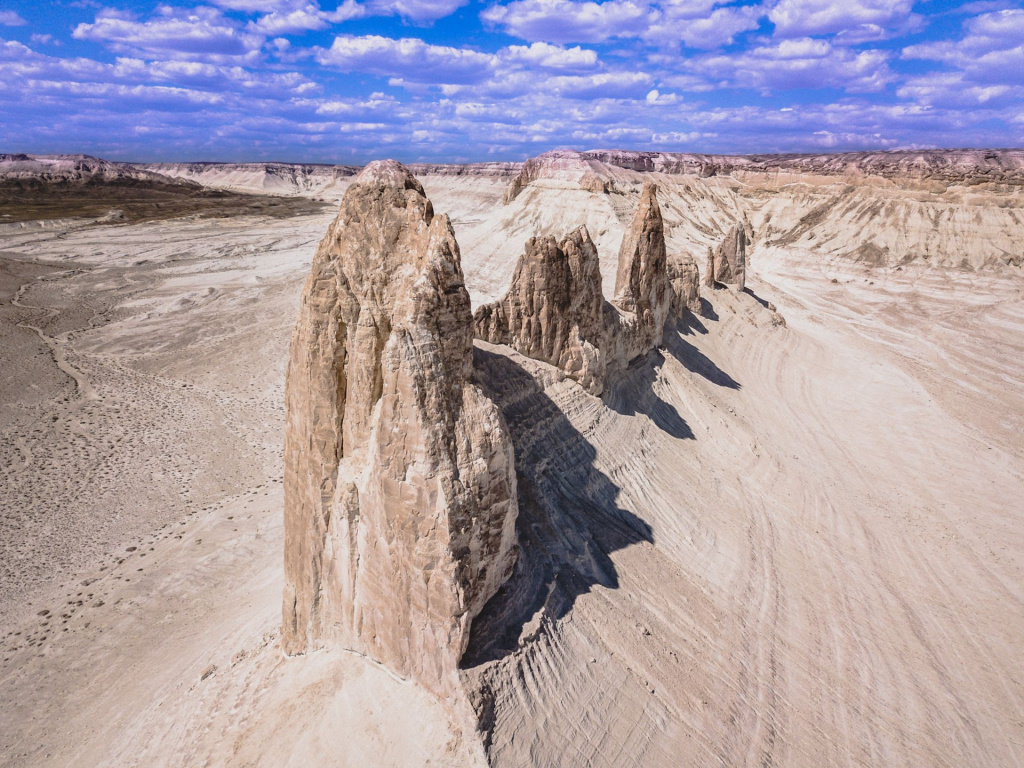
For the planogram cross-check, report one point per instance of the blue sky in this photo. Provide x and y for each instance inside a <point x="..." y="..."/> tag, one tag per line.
<point x="319" y="81"/>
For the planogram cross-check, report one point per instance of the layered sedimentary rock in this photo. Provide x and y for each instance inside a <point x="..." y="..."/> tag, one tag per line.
<point x="400" y="495"/>
<point x="555" y="311"/>
<point x="727" y="264"/>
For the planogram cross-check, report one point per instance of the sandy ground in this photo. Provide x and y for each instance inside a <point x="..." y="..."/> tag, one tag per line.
<point x="770" y="545"/>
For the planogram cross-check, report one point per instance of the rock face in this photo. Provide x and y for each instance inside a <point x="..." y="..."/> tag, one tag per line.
<point x="400" y="490"/>
<point x="554" y="310"/>
<point x="684" y="276"/>
<point x="727" y="264"/>
<point x="642" y="283"/>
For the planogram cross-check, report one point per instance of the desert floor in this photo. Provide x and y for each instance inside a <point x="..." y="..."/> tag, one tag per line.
<point x="822" y="564"/>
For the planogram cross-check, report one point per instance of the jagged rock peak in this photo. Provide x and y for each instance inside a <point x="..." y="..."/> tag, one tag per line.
<point x="400" y="495"/>
<point x="727" y="264"/>
<point x="641" y="283"/>
<point x="554" y="310"/>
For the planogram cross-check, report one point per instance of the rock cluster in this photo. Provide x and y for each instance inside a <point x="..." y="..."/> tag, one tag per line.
<point x="555" y="312"/>
<point x="727" y="264"/>
<point x="400" y="488"/>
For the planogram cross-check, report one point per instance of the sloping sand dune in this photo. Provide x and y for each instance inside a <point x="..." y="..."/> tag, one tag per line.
<point x="785" y="544"/>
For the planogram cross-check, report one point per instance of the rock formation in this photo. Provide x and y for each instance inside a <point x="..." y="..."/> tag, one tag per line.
<point x="727" y="264"/>
<point x="554" y="310"/>
<point x="400" y="490"/>
<point x="641" y="283"/>
<point x="684" y="276"/>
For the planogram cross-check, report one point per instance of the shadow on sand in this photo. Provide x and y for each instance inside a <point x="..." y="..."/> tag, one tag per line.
<point x="569" y="519"/>
<point x="692" y="358"/>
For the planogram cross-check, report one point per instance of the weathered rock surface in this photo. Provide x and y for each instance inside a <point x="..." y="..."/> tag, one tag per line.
<point x="554" y="310"/>
<point x="727" y="264"/>
<point x="400" y="490"/>
<point x="684" y="277"/>
<point x="642" y="283"/>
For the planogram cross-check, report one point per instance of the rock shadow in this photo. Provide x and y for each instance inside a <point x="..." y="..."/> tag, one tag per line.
<point x="764" y="303"/>
<point x="632" y="392"/>
<point x="569" y="519"/>
<point x="692" y="358"/>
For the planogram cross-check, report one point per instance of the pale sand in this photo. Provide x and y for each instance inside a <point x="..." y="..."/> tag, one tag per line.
<point x="823" y="553"/>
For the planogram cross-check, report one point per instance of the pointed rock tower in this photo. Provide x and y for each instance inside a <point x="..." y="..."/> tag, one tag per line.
<point x="400" y="489"/>
<point x="727" y="264"/>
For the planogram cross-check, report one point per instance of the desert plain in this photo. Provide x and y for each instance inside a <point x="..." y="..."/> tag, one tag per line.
<point x="791" y="535"/>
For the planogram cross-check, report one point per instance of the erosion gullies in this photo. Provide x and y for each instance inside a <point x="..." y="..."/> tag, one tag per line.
<point x="400" y="491"/>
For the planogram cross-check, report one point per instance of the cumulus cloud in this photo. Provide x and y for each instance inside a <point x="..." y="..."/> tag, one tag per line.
<point x="858" y="20"/>
<point x="417" y="10"/>
<point x="696" y="25"/>
<point x="547" y="56"/>
<point x="185" y="33"/>
<point x="11" y="19"/>
<point x="408" y="58"/>
<point x="801" y="63"/>
<point x="307" y="17"/>
<point x="566" y="21"/>
<point x="991" y="53"/>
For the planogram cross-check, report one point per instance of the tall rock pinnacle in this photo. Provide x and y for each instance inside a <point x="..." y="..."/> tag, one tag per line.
<point x="641" y="284"/>
<point x="727" y="264"/>
<point x="400" y="490"/>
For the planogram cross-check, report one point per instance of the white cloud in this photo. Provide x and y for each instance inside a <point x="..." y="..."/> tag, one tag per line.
<point x="990" y="53"/>
<point x="202" y="33"/>
<point x="654" y="96"/>
<point x="408" y="58"/>
<point x="305" y="18"/>
<point x="418" y="10"/>
<point x="549" y="56"/>
<point x="858" y="19"/>
<point x="11" y="19"/>
<point x="699" y="27"/>
<point x="800" y="63"/>
<point x="566" y="21"/>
